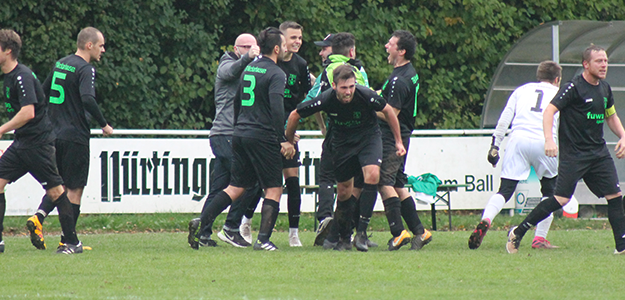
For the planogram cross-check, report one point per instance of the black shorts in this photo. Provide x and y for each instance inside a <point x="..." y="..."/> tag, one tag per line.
<point x="40" y="162"/>
<point x="599" y="174"/>
<point x="72" y="159"/>
<point x="325" y="168"/>
<point x="293" y="162"/>
<point x="255" y="160"/>
<point x="392" y="168"/>
<point x="349" y="159"/>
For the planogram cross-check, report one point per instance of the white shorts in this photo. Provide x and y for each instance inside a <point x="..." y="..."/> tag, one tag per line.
<point x="521" y="153"/>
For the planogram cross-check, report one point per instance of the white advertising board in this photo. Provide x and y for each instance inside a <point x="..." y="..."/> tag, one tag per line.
<point x="141" y="175"/>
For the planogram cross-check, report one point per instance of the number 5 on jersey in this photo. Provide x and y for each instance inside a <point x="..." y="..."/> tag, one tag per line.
<point x="249" y="90"/>
<point x="57" y="87"/>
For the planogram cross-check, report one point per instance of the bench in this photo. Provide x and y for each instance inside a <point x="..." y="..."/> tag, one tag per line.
<point x="443" y="195"/>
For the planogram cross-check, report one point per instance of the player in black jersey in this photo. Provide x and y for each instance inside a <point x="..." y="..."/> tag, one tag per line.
<point x="356" y="145"/>
<point x="297" y="85"/>
<point x="585" y="103"/>
<point x="258" y="139"/>
<point x="32" y="150"/>
<point x="400" y="91"/>
<point x="70" y="87"/>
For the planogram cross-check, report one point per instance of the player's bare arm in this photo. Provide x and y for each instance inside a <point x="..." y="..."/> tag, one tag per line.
<point x="291" y="126"/>
<point x="382" y="117"/>
<point x="614" y="122"/>
<point x="25" y="114"/>
<point x="390" y="115"/>
<point x="551" y="148"/>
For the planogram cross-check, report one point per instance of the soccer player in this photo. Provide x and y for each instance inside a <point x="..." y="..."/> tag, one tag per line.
<point x="325" y="168"/>
<point x="70" y="87"/>
<point x="525" y="149"/>
<point x="400" y="92"/>
<point x="343" y="52"/>
<point x="32" y="149"/>
<point x="356" y="145"/>
<point x="258" y="138"/>
<point x="227" y="83"/>
<point x="584" y="103"/>
<point x="297" y="85"/>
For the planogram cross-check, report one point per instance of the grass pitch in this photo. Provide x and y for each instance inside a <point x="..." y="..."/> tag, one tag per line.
<point x="163" y="266"/>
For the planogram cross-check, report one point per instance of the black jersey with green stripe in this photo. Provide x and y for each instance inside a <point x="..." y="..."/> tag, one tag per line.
<point x="259" y="104"/>
<point x="582" y="109"/>
<point x="400" y="91"/>
<point x="71" y="78"/>
<point x="351" y="121"/>
<point x="21" y="88"/>
<point x="297" y="82"/>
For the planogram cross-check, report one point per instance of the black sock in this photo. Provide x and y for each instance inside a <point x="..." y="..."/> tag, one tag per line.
<point x="355" y="213"/>
<point x="220" y="202"/>
<point x="249" y="212"/>
<point x="539" y="213"/>
<point x="346" y="223"/>
<point x="326" y="200"/>
<point x="45" y="208"/>
<point x="367" y="201"/>
<point x="269" y="215"/>
<point x="3" y="207"/>
<point x="616" y="216"/>
<point x="66" y="218"/>
<point x="294" y="201"/>
<point x="410" y="215"/>
<point x="76" y="208"/>
<point x="392" y="208"/>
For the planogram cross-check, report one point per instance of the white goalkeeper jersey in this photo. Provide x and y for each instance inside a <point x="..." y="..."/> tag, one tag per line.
<point x="524" y="111"/>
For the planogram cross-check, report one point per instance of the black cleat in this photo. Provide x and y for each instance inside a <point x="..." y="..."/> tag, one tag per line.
<point x="475" y="240"/>
<point x="193" y="241"/>
<point x="1" y="246"/>
<point x="69" y="249"/>
<point x="360" y="241"/>
<point x="419" y="241"/>
<point x="206" y="241"/>
<point x="268" y="246"/>
<point x="233" y="238"/>
<point x="323" y="231"/>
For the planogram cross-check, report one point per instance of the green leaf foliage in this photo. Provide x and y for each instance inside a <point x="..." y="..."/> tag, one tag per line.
<point x="162" y="55"/>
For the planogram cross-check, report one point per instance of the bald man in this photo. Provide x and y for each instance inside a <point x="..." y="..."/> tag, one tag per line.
<point x="231" y="65"/>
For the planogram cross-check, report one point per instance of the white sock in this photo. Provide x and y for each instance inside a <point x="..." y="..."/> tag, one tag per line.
<point x="493" y="207"/>
<point x="293" y="231"/>
<point x="542" y="228"/>
<point x="246" y="220"/>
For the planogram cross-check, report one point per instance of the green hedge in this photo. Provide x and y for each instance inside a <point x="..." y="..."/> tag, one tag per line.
<point x="161" y="57"/>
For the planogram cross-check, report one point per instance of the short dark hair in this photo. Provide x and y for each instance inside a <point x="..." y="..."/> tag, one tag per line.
<point x="268" y="39"/>
<point x="548" y="71"/>
<point x="290" y="24"/>
<point x="9" y="39"/>
<point x="86" y="35"/>
<point x="343" y="72"/>
<point x="406" y="41"/>
<point x="342" y="42"/>
<point x="586" y="54"/>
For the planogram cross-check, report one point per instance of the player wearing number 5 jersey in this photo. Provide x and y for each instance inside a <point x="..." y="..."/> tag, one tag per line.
<point x="525" y="149"/>
<point x="70" y="87"/>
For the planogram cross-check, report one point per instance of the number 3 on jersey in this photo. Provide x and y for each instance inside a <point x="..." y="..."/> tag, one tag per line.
<point x="249" y="90"/>
<point x="57" y="87"/>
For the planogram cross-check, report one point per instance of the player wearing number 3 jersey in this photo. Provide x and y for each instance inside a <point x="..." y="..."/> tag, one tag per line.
<point x="525" y="149"/>
<point x="258" y="139"/>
